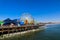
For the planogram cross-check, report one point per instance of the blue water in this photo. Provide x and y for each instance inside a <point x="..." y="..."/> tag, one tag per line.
<point x="52" y="32"/>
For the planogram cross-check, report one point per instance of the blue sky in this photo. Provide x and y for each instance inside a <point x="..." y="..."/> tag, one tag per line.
<point x="41" y="10"/>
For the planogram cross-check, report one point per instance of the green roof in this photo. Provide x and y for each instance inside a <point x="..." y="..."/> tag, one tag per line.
<point x="1" y="22"/>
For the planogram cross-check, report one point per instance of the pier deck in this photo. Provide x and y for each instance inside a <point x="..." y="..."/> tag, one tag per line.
<point x="7" y="29"/>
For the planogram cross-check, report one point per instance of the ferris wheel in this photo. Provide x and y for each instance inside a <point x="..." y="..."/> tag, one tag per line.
<point x="27" y="18"/>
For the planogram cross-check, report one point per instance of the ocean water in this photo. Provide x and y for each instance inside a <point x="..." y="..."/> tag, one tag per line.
<point x="52" y="32"/>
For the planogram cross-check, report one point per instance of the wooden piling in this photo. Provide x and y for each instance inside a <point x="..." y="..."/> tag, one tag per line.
<point x="17" y="29"/>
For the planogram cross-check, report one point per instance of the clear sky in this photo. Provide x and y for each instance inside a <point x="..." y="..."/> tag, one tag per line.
<point x="41" y="10"/>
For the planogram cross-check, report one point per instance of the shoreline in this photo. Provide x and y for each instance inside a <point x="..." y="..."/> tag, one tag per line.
<point x="50" y="24"/>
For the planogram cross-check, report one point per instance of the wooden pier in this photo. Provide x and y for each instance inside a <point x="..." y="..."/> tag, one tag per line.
<point x="8" y="30"/>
